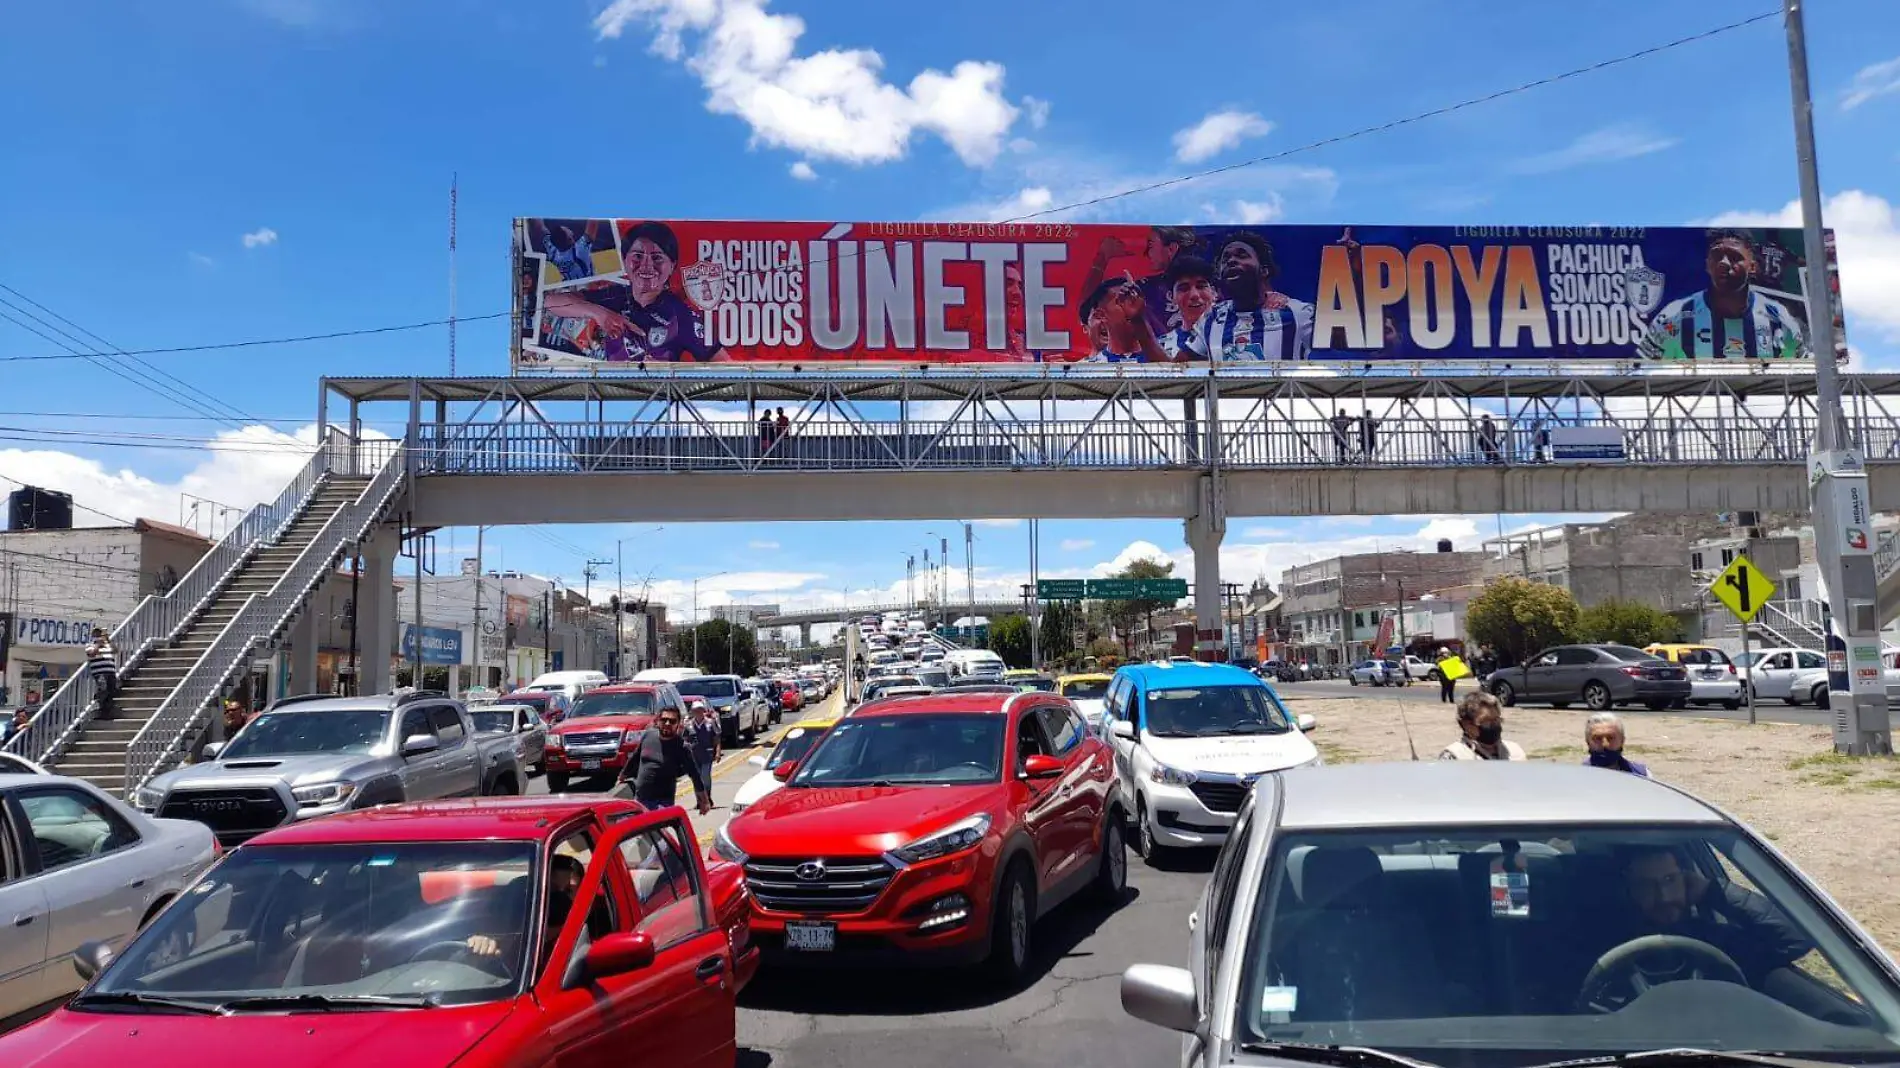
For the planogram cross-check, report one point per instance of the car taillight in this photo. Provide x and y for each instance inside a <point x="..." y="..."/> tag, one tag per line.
<point x="1731" y="669"/>
<point x="1633" y="672"/>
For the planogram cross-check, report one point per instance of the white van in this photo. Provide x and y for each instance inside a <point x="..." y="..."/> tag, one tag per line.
<point x="672" y="674"/>
<point x="571" y="683"/>
<point x="975" y="664"/>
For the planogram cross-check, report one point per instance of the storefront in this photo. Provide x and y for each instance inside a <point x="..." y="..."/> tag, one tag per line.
<point x="45" y="651"/>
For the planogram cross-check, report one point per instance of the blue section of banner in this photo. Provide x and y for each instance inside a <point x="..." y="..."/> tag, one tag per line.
<point x="440" y="645"/>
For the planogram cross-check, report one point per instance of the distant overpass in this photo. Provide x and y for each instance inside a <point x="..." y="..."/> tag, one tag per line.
<point x="811" y="616"/>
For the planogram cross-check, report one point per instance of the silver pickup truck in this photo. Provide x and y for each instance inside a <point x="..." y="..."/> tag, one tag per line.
<point x="312" y="756"/>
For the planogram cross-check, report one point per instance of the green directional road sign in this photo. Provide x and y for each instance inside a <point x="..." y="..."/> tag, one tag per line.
<point x="1114" y="589"/>
<point x="1162" y="589"/>
<point x="1061" y="589"/>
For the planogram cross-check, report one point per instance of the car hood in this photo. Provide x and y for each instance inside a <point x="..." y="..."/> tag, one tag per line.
<point x="587" y="724"/>
<point x="1239" y="754"/>
<point x="755" y="788"/>
<point x="852" y="820"/>
<point x="417" y="1038"/>
<point x="297" y="770"/>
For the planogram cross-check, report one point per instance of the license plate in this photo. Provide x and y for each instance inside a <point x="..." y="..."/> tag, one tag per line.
<point x="590" y="765"/>
<point x="1711" y="673"/>
<point x="811" y="937"/>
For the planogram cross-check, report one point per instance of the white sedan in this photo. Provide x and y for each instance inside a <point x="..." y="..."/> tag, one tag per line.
<point x="80" y="866"/>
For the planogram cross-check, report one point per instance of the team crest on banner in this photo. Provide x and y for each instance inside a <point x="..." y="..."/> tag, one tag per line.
<point x="1643" y="289"/>
<point x="704" y="281"/>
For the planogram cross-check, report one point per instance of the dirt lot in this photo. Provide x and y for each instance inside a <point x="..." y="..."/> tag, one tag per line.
<point x="1837" y="818"/>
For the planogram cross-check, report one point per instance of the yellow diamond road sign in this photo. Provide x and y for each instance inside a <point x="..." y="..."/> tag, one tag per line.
<point x="1743" y="588"/>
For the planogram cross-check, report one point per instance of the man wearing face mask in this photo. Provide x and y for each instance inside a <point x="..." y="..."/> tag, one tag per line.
<point x="1481" y="721"/>
<point x="662" y="756"/>
<point x="1603" y="733"/>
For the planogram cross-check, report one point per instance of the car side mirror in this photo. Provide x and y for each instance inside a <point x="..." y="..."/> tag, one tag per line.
<point x="1305" y="721"/>
<point x="1041" y="766"/>
<point x="610" y="955"/>
<point x="757" y="760"/>
<point x="418" y="744"/>
<point x="91" y="958"/>
<point x="1162" y="996"/>
<point x="785" y="771"/>
<point x="212" y="749"/>
<point x="1121" y="728"/>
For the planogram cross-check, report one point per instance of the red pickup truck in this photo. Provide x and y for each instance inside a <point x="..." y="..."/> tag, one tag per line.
<point x="933" y="829"/>
<point x="602" y="728"/>
<point x="472" y="933"/>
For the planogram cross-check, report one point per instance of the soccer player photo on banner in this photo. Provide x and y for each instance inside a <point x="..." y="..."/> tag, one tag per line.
<point x="603" y="294"/>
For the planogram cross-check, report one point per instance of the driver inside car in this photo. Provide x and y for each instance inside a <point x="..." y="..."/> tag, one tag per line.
<point x="564" y="883"/>
<point x="1671" y="897"/>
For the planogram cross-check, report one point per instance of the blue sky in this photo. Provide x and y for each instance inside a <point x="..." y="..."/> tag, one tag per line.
<point x="228" y="169"/>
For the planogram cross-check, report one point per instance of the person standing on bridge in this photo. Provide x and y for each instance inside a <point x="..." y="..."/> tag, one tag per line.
<point x="782" y="428"/>
<point x="102" y="666"/>
<point x="766" y="427"/>
<point x="1368" y="436"/>
<point x="1342" y="436"/>
<point x="1488" y="439"/>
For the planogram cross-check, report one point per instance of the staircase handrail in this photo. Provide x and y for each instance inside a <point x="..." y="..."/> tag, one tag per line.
<point x="1887" y="556"/>
<point x="260" y="618"/>
<point x="159" y="617"/>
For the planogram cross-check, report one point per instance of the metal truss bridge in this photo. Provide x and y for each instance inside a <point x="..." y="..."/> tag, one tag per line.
<point x="805" y="617"/>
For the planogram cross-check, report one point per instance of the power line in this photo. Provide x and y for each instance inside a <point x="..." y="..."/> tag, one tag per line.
<point x="1367" y="131"/>
<point x="116" y="519"/>
<point x="259" y="342"/>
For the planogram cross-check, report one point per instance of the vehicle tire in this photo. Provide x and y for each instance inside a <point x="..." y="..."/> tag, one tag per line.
<point x="1819" y="695"/>
<point x="1505" y="693"/>
<point x="504" y="786"/>
<point x="1596" y="697"/>
<point x="557" y="782"/>
<point x="1434" y="675"/>
<point x="1731" y="705"/>
<point x="730" y="738"/>
<point x="1351" y="679"/>
<point x="1012" y="927"/>
<point x="1790" y="700"/>
<point x="1560" y="705"/>
<point x="1145" y="844"/>
<point x="1111" y="878"/>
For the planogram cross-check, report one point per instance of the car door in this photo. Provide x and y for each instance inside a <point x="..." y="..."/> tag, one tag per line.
<point x="1541" y="676"/>
<point x="24" y="922"/>
<point x="1770" y="675"/>
<point x="86" y="856"/>
<point x="460" y="758"/>
<point x="1041" y="801"/>
<point x="1115" y="709"/>
<point x="421" y="775"/>
<point x="1079" y="790"/>
<point x="692" y="954"/>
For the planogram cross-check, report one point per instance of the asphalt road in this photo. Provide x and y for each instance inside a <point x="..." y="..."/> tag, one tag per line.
<point x="1427" y="693"/>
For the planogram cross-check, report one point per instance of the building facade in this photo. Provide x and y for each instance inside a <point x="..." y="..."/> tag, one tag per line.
<point x="1332" y="608"/>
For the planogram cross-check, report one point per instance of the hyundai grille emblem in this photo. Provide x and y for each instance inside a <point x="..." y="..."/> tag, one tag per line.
<point x="811" y="871"/>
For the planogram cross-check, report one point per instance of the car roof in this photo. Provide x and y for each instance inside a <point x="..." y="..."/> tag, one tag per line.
<point x="1169" y="674"/>
<point x="1086" y="676"/>
<point x="1431" y="793"/>
<point x="519" y="819"/>
<point x="943" y="702"/>
<point x="626" y="687"/>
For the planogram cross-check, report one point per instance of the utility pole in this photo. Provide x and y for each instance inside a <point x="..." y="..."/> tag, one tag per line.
<point x="588" y="572"/>
<point x="1035" y="603"/>
<point x="969" y="570"/>
<point x="547" y="627"/>
<point x="481" y="663"/>
<point x="1837" y="472"/>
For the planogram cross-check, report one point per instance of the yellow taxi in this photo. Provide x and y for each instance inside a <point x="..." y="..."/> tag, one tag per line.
<point x="1087" y="692"/>
<point x="1713" y="679"/>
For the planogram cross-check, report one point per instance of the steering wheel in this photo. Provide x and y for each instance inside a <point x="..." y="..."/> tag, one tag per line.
<point x="1624" y="973"/>
<point x="458" y="950"/>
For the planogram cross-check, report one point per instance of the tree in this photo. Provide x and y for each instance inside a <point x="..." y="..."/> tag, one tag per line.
<point x="1627" y="623"/>
<point x="1061" y="621"/>
<point x="1517" y="617"/>
<point x="1126" y="614"/>
<point x="713" y="637"/>
<point x="1009" y="639"/>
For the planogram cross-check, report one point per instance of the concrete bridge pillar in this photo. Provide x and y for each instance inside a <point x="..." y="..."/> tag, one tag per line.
<point x="376" y="616"/>
<point x="804" y="635"/>
<point x="303" y="649"/>
<point x="1204" y="532"/>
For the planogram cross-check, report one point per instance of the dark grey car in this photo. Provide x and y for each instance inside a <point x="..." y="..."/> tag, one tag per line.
<point x="1599" y="677"/>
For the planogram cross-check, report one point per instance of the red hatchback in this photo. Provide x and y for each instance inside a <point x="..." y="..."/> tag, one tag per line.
<point x="469" y="933"/>
<point x="933" y="829"/>
<point x="600" y="732"/>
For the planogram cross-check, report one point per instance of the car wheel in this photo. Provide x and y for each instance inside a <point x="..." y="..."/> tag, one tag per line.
<point x="1560" y="705"/>
<point x="730" y="737"/>
<point x="1596" y="697"/>
<point x="1351" y="679"/>
<point x="1819" y="695"/>
<point x="1790" y="700"/>
<point x="1111" y="881"/>
<point x="1145" y="843"/>
<point x="1655" y="706"/>
<point x="1679" y="703"/>
<point x="1731" y="705"/>
<point x="557" y="782"/>
<point x="1012" y="927"/>
<point x="1505" y="693"/>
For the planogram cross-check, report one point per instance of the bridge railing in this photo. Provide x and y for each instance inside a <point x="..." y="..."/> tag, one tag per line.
<point x="985" y="444"/>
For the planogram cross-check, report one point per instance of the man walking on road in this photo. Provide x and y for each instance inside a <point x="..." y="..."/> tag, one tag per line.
<point x="662" y="757"/>
<point x="703" y="737"/>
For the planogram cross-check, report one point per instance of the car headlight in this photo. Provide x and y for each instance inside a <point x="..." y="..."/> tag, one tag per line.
<point x="323" y="794"/>
<point x="724" y="848"/>
<point x="555" y="742"/>
<point x="1168" y="776"/>
<point x="148" y="798"/>
<point x="957" y="837"/>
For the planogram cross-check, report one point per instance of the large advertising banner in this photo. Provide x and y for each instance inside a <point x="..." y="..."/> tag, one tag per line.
<point x="606" y="294"/>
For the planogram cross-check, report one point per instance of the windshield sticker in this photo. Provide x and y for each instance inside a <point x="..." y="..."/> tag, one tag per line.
<point x="1279" y="1000"/>
<point x="383" y="861"/>
<point x="1510" y="891"/>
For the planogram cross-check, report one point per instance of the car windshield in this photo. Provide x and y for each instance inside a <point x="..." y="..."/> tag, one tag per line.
<point x="429" y="923"/>
<point x="284" y="733"/>
<point x="910" y="749"/>
<point x="1092" y="690"/>
<point x="707" y="687"/>
<point x="1478" y="947"/>
<point x="614" y="704"/>
<point x="1205" y="711"/>
<point x="1031" y="685"/>
<point x="493" y="719"/>
<point x="797" y="742"/>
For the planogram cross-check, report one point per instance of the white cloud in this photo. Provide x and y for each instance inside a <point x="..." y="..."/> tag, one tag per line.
<point x="201" y="259"/>
<point x="802" y="171"/>
<point x="1076" y="545"/>
<point x="1036" y="110"/>
<point x="762" y="546"/>
<point x="1875" y="79"/>
<point x="1216" y="133"/>
<point x="1135" y="550"/>
<point x="1869" y="249"/>
<point x="260" y="237"/>
<point x="999" y="522"/>
<point x="1255" y="212"/>
<point x="1607" y="145"/>
<point x="832" y="104"/>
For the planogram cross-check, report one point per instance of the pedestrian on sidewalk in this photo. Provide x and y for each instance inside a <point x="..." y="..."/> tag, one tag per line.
<point x="660" y="758"/>
<point x="102" y="665"/>
<point x="703" y="735"/>
<point x="1603" y="733"/>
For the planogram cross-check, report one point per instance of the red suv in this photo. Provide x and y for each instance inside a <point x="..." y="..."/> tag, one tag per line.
<point x="472" y="934"/>
<point x="933" y="829"/>
<point x="602" y="728"/>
